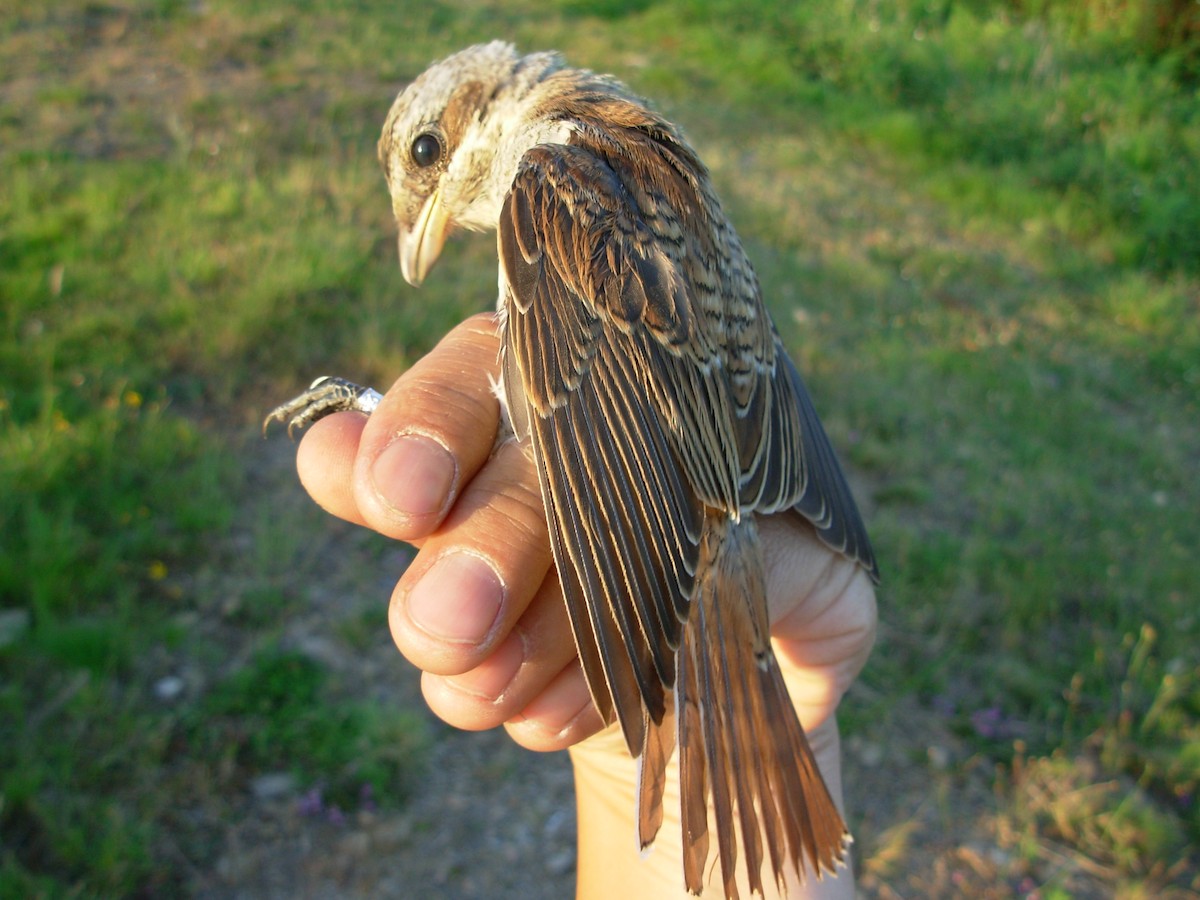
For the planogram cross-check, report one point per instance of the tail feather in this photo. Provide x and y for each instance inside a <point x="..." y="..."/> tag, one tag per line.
<point x="652" y="776"/>
<point x="693" y="774"/>
<point x="735" y="672"/>
<point x="714" y="745"/>
<point x="822" y="836"/>
<point x="743" y="753"/>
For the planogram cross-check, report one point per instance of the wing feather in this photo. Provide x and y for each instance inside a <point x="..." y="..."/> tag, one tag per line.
<point x="651" y="396"/>
<point x="622" y="540"/>
<point x="609" y="672"/>
<point x="621" y="509"/>
<point x="820" y="492"/>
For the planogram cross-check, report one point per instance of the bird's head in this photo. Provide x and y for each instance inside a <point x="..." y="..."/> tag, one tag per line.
<point x="451" y="144"/>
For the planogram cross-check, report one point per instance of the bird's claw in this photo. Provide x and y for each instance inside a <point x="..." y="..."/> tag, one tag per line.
<point x="328" y="394"/>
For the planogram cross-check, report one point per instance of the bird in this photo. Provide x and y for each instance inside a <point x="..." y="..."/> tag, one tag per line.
<point x="641" y="370"/>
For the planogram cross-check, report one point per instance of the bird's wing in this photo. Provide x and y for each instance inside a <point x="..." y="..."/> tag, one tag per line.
<point x="788" y="462"/>
<point x="589" y="316"/>
<point x="649" y="395"/>
<point x="824" y="497"/>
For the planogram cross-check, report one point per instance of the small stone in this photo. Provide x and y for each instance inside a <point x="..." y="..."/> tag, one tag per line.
<point x="558" y="825"/>
<point x="168" y="688"/>
<point x="273" y="785"/>
<point x="561" y="863"/>
<point x="870" y="754"/>
<point x="323" y="650"/>
<point x="13" y="625"/>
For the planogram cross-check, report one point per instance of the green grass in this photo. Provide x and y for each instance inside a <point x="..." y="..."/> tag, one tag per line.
<point x="257" y="718"/>
<point x="978" y="226"/>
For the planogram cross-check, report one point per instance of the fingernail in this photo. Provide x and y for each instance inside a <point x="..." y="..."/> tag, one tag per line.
<point x="414" y="475"/>
<point x="457" y="600"/>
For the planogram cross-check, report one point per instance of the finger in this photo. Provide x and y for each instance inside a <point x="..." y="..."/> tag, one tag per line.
<point x="477" y="574"/>
<point x="325" y="463"/>
<point x="521" y="668"/>
<point x="560" y="716"/>
<point x="824" y="612"/>
<point x="430" y="434"/>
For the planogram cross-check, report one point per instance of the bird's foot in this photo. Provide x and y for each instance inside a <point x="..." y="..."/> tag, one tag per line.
<point x="326" y="395"/>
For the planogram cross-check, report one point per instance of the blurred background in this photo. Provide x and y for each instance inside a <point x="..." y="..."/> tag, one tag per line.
<point x="977" y="225"/>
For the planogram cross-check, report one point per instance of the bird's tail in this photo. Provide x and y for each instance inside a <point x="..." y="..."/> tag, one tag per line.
<point x="741" y="747"/>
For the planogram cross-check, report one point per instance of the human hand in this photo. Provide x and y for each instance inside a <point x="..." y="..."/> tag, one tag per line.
<point x="480" y="611"/>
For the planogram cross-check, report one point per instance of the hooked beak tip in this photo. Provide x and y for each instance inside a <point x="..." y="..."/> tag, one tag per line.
<point x="421" y="244"/>
<point x="411" y="274"/>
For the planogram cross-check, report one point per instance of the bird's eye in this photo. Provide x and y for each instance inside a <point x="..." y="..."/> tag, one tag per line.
<point x="426" y="150"/>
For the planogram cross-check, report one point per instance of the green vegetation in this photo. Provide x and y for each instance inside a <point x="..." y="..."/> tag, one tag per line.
<point x="978" y="225"/>
<point x="260" y="715"/>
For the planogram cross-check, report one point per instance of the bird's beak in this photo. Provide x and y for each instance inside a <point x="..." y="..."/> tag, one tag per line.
<point x="421" y="244"/>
